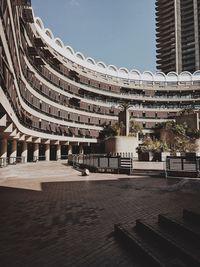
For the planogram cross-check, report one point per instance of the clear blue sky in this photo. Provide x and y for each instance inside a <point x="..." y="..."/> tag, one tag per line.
<point x="118" y="32"/>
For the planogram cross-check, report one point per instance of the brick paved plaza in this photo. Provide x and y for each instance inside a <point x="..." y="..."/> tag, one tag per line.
<point x="51" y="216"/>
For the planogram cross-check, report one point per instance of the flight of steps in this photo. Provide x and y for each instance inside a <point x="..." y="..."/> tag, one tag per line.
<point x="170" y="241"/>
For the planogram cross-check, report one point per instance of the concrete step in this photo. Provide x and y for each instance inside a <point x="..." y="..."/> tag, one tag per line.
<point x="169" y="242"/>
<point x="178" y="227"/>
<point x="192" y="216"/>
<point x="132" y="241"/>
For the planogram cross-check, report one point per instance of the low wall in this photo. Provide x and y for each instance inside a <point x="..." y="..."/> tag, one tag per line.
<point x="145" y="165"/>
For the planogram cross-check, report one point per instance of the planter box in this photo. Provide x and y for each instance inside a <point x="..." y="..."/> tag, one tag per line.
<point x="149" y="156"/>
<point x="122" y="145"/>
<point x="145" y="156"/>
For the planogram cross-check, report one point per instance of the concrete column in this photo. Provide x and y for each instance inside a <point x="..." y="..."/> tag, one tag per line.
<point x="69" y="149"/>
<point x="13" y="153"/>
<point x="81" y="149"/>
<point x="3" y="151"/>
<point x="3" y="148"/>
<point x="36" y="152"/>
<point x="24" y="153"/>
<point x="47" y="152"/>
<point x="178" y="49"/>
<point x="58" y="152"/>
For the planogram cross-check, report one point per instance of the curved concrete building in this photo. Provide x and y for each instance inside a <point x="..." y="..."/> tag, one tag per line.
<point x="54" y="101"/>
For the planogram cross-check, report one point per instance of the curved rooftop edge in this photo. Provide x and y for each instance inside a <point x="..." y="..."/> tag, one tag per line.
<point x="110" y="70"/>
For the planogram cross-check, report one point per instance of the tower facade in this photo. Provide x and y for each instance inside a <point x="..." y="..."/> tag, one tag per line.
<point x="177" y="35"/>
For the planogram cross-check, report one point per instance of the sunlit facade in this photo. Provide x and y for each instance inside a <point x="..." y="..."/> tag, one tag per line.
<point x="54" y="101"/>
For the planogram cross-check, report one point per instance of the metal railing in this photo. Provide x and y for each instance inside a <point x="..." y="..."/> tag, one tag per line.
<point x="41" y="158"/>
<point x="15" y="160"/>
<point x="183" y="166"/>
<point x="4" y="161"/>
<point x="102" y="162"/>
<point x="63" y="157"/>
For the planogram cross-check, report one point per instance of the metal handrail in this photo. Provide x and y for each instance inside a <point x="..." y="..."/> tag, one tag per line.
<point x="182" y="165"/>
<point x="101" y="161"/>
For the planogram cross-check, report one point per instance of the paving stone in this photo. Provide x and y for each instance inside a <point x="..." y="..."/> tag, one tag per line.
<point x="71" y="223"/>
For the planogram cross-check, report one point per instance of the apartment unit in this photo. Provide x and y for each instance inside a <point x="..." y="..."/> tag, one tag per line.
<point x="54" y="101"/>
<point x="177" y="35"/>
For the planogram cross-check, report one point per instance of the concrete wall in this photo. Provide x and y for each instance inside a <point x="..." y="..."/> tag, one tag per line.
<point x="122" y="144"/>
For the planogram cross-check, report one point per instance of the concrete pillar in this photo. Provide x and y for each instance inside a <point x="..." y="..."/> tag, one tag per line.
<point x="36" y="152"/>
<point x="24" y="153"/>
<point x="178" y="43"/>
<point x="13" y="153"/>
<point x="81" y="149"/>
<point x="69" y="149"/>
<point x="3" y="148"/>
<point x="47" y="152"/>
<point x="58" y="152"/>
<point x="3" y="151"/>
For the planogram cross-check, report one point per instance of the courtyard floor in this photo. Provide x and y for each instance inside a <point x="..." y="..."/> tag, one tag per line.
<point x="51" y="216"/>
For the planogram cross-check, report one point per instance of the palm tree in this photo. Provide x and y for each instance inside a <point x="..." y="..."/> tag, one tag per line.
<point x="125" y="106"/>
<point x="119" y="128"/>
<point x="124" y="116"/>
<point x="107" y="131"/>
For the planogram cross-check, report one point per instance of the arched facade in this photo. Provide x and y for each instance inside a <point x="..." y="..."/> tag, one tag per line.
<point x="54" y="100"/>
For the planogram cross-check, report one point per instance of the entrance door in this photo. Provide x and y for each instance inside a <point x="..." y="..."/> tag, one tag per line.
<point x="30" y="152"/>
<point x="53" y="150"/>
